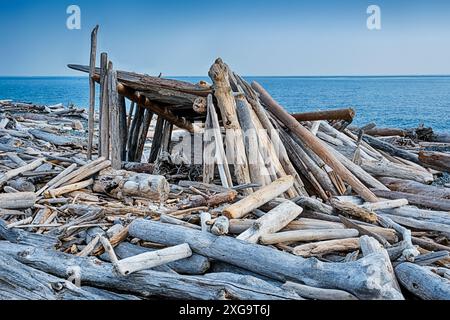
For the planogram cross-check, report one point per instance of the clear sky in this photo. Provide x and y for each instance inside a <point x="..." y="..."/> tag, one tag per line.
<point x="256" y="37"/>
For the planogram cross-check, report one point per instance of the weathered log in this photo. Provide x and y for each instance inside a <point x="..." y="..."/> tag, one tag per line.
<point x="419" y="224"/>
<point x="194" y="265"/>
<point x="369" y="246"/>
<point x="259" y="198"/>
<point x="92" y="61"/>
<point x="315" y="144"/>
<point x="69" y="188"/>
<point x="138" y="167"/>
<point x="227" y="105"/>
<point x="104" y="108"/>
<point x="15" y="172"/>
<point x="18" y="200"/>
<point x="386" y="132"/>
<point x="318" y="293"/>
<point x="353" y="210"/>
<point x="435" y="160"/>
<point x="18" y="236"/>
<point x="120" y="184"/>
<point x="57" y="140"/>
<point x="410" y="251"/>
<point x="114" y="114"/>
<point x="308" y="235"/>
<point x="423" y="282"/>
<point x="390" y="169"/>
<point x="276" y="264"/>
<point x="416" y="199"/>
<point x="324" y="247"/>
<point x="149" y="260"/>
<point x="221" y="158"/>
<point x="142" y="135"/>
<point x="21" y="282"/>
<point x="339" y="114"/>
<point x="272" y="222"/>
<point x="256" y="168"/>
<point x="56" y="179"/>
<point x="390" y="149"/>
<point x="383" y="205"/>
<point x="147" y="283"/>
<point x="409" y="186"/>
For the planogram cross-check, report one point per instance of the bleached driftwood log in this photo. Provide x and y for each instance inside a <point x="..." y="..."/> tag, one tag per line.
<point x="417" y="199"/>
<point x="153" y="259"/>
<point x="227" y="105"/>
<point x="365" y="284"/>
<point x="194" y="265"/>
<point x="15" y="172"/>
<point x="423" y="282"/>
<point x="120" y="184"/>
<point x="353" y="210"/>
<point x="17" y="200"/>
<point x="324" y="247"/>
<point x="147" y="283"/>
<point x="272" y="221"/>
<point x="21" y="282"/>
<point x="409" y="186"/>
<point x="259" y="198"/>
<point x="390" y="169"/>
<point x="308" y="235"/>
<point x="318" y="293"/>
<point x="314" y="143"/>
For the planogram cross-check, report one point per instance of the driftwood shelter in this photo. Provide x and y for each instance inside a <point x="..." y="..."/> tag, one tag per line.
<point x="270" y="206"/>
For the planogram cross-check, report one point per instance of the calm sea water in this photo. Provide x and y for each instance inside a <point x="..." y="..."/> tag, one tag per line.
<point x="388" y="101"/>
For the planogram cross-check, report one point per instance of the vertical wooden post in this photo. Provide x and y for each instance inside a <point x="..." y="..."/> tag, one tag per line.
<point x="157" y="139"/>
<point x="92" y="92"/>
<point x="142" y="135"/>
<point x="123" y="126"/>
<point x="134" y="132"/>
<point x="116" y="141"/>
<point x="130" y="115"/>
<point x="104" y="107"/>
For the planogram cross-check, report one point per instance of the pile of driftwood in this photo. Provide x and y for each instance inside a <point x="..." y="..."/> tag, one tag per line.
<point x="258" y="204"/>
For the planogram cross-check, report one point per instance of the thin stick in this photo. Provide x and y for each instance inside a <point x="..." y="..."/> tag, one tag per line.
<point x="92" y="92"/>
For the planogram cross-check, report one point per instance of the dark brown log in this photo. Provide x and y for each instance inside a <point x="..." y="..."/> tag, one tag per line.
<point x="138" y="167"/>
<point x="123" y="129"/>
<point x="386" y="132"/>
<point x="435" y="160"/>
<point x="339" y="114"/>
<point x="315" y="144"/>
<point x="142" y="135"/>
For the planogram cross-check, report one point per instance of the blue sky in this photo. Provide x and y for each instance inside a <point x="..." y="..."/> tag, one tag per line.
<point x="264" y="37"/>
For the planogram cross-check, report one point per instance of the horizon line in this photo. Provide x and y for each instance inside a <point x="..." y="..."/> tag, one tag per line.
<point x="250" y="76"/>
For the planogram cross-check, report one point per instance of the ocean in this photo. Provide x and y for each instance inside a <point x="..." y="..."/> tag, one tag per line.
<point x="402" y="102"/>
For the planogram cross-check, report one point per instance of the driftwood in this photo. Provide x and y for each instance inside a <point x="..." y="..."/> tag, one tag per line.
<point x="436" y="160"/>
<point x="314" y="144"/>
<point x="93" y="58"/>
<point x="408" y="186"/>
<point x="272" y="222"/>
<point x="194" y="265"/>
<point x="423" y="282"/>
<point x="15" y="172"/>
<point x="147" y="283"/>
<point x="259" y="198"/>
<point x="389" y="169"/>
<point x="227" y="105"/>
<point x="416" y="199"/>
<point x="319" y="293"/>
<point x="149" y="260"/>
<point x="273" y="263"/>
<point x="340" y="114"/>
<point x="325" y="247"/>
<point x="308" y="235"/>
<point x="19" y="200"/>
<point x="120" y="184"/>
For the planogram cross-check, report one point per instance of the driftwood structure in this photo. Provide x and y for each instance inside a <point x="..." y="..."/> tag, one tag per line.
<point x="213" y="191"/>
